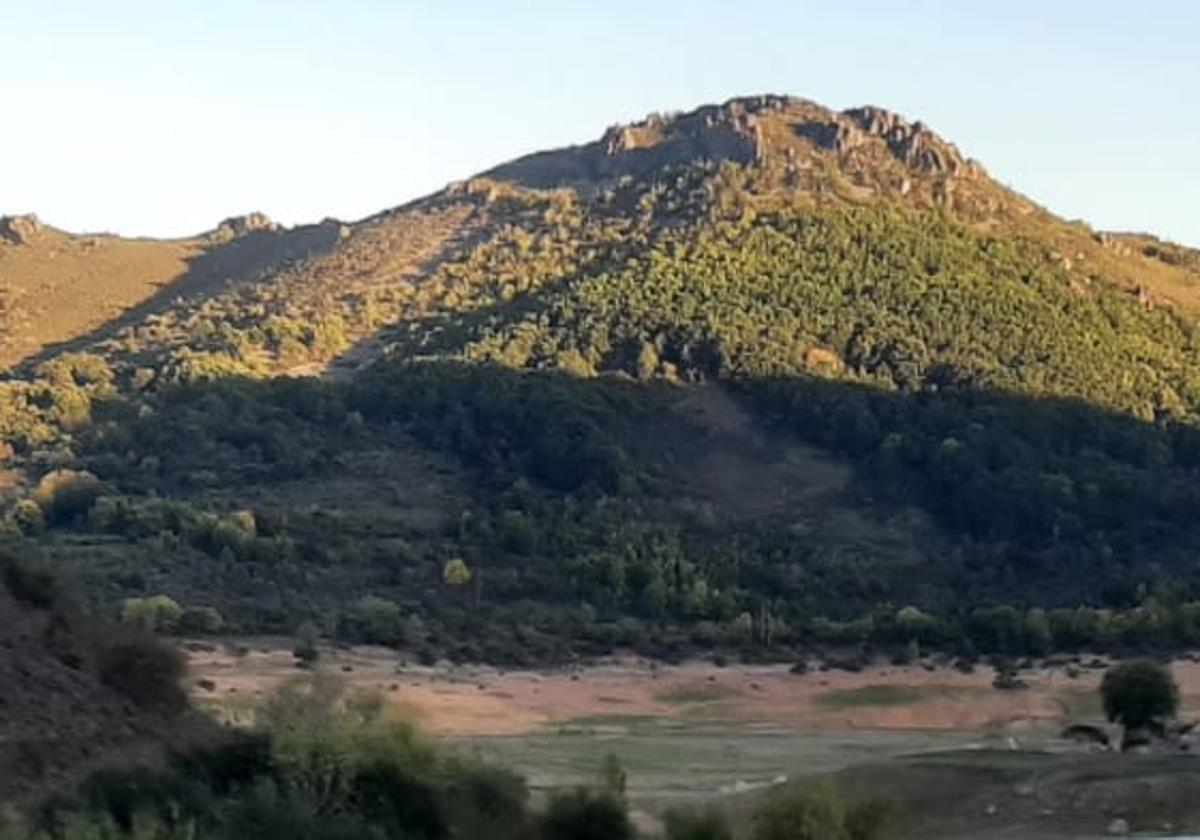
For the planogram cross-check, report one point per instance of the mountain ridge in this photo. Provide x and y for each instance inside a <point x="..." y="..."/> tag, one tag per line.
<point x="591" y="373"/>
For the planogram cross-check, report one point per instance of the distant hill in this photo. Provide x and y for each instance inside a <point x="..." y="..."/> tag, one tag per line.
<point x="760" y="375"/>
<point x="56" y="287"/>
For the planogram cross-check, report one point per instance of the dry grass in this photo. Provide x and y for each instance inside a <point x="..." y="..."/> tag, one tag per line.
<point x="481" y="700"/>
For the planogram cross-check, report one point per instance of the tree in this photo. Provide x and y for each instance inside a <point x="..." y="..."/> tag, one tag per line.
<point x="456" y="573"/>
<point x="306" y="651"/>
<point x="612" y="774"/>
<point x="1139" y="693"/>
<point x="156" y="614"/>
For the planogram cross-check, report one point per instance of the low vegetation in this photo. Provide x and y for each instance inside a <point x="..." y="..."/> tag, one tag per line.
<point x="326" y="765"/>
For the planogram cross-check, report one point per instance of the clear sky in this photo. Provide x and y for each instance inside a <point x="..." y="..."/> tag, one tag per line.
<point x="162" y="117"/>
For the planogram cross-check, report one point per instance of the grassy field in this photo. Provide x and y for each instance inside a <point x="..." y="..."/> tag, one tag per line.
<point x="945" y="785"/>
<point x="670" y="762"/>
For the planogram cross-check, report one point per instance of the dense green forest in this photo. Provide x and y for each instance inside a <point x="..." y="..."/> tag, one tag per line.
<point x="521" y="474"/>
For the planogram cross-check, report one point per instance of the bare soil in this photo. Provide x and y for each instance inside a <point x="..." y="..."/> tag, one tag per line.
<point x="477" y="700"/>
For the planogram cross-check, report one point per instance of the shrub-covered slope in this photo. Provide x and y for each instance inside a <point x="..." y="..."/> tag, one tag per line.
<point x="761" y="374"/>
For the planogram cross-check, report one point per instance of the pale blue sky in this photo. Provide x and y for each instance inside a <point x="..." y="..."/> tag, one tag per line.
<point x="161" y="117"/>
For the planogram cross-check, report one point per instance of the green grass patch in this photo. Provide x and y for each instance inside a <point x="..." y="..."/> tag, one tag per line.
<point x="690" y="696"/>
<point x="593" y="722"/>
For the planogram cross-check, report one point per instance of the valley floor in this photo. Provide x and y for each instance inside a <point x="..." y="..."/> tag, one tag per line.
<point x="970" y="760"/>
<point x="477" y="700"/>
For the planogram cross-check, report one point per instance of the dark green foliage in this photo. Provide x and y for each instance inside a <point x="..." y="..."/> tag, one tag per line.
<point x="400" y="803"/>
<point x="336" y="779"/>
<point x="29" y="582"/>
<point x="556" y="429"/>
<point x="1139" y="693"/>
<point x="697" y="825"/>
<point x="820" y="813"/>
<point x="488" y="802"/>
<point x="584" y="815"/>
<point x="149" y="672"/>
<point x="65" y="495"/>
<point x="233" y="763"/>
<point x="200" y="621"/>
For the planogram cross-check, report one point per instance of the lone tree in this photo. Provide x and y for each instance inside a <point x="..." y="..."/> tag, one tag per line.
<point x="456" y="573"/>
<point x="1138" y="694"/>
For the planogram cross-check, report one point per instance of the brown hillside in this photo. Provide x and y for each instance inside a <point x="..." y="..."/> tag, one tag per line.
<point x="57" y="288"/>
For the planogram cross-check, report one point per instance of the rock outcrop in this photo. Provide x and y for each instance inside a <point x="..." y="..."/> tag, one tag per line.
<point x="912" y="142"/>
<point x="19" y="230"/>
<point x="237" y="226"/>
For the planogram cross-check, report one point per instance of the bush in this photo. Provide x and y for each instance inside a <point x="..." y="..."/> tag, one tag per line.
<point x="156" y="614"/>
<point x="488" y="802"/>
<point x="305" y="650"/>
<point x="375" y="621"/>
<point x="817" y="814"/>
<point x="200" y="621"/>
<point x="144" y="669"/>
<point x="703" y="825"/>
<point x="29" y="583"/>
<point x="1139" y="693"/>
<point x="28" y="518"/>
<point x="400" y="801"/>
<point x="64" y="495"/>
<point x="584" y="815"/>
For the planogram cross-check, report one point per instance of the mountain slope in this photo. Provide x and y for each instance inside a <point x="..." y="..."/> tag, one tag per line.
<point x="69" y="704"/>
<point x="57" y="287"/>
<point x="759" y="374"/>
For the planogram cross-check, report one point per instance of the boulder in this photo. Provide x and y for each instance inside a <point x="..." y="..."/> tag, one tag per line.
<point x="236" y="226"/>
<point x="19" y="230"/>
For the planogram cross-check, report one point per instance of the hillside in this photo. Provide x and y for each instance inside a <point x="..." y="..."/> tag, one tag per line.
<point x="761" y="375"/>
<point x="57" y="288"/>
<point x="71" y="700"/>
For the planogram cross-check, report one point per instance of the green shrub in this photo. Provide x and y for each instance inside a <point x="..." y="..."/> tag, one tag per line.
<point x="156" y="614"/>
<point x="147" y="671"/>
<point x="64" y="495"/>
<point x="30" y="582"/>
<point x="819" y="813"/>
<point x="698" y="825"/>
<point x="585" y="815"/>
<point x="28" y="518"/>
<point x="487" y="802"/>
<point x="375" y="621"/>
<point x="200" y="621"/>
<point x="1138" y="693"/>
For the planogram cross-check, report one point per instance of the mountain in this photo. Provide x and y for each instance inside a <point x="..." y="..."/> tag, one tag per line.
<point x="760" y="375"/>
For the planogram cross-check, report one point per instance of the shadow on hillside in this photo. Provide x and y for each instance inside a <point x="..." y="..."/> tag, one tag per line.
<point x="1036" y="501"/>
<point x="220" y="266"/>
